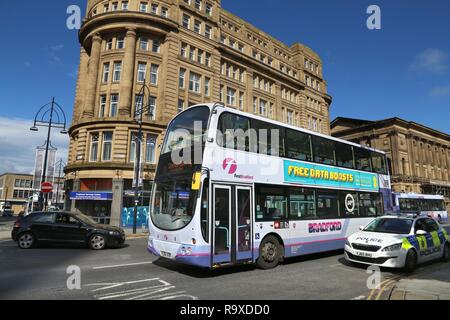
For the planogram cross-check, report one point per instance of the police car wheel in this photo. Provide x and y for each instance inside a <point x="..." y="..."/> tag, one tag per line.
<point x="411" y="261"/>
<point x="269" y="253"/>
<point x="446" y="255"/>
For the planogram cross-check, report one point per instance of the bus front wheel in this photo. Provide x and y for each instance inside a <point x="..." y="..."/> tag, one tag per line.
<point x="270" y="252"/>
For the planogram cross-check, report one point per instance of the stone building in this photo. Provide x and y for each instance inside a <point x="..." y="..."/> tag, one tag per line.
<point x="419" y="157"/>
<point x="16" y="189"/>
<point x="188" y="52"/>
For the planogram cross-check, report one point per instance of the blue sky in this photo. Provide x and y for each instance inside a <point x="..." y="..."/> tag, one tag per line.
<point x="401" y="70"/>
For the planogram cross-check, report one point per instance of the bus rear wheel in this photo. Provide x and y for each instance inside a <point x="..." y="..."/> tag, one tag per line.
<point x="270" y="252"/>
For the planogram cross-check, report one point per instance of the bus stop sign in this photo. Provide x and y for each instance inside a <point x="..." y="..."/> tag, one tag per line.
<point x="46" y="187"/>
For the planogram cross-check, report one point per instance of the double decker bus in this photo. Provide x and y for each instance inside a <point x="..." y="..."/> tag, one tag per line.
<point x="431" y="205"/>
<point x="234" y="188"/>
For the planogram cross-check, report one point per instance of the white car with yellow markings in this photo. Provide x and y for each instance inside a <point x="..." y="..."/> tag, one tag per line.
<point x="398" y="242"/>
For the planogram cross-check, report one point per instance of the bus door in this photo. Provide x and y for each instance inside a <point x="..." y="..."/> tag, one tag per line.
<point x="232" y="224"/>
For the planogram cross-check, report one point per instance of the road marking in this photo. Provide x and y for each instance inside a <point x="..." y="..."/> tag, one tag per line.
<point x="153" y="289"/>
<point x="123" y="265"/>
<point x="359" y="298"/>
<point x="382" y="286"/>
<point x="115" y="285"/>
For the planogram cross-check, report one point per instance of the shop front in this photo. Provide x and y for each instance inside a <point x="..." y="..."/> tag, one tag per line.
<point x="94" y="199"/>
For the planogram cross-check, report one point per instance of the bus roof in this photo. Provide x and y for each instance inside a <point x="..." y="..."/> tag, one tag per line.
<point x="419" y="196"/>
<point x="285" y="125"/>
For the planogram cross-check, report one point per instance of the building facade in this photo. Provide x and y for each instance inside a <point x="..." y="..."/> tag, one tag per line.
<point x="187" y="52"/>
<point x="419" y="157"/>
<point x="17" y="190"/>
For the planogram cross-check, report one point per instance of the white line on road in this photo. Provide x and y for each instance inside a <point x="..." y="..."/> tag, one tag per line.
<point x="123" y="265"/>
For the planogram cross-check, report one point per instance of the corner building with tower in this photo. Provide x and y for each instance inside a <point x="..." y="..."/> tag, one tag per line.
<point x="188" y="52"/>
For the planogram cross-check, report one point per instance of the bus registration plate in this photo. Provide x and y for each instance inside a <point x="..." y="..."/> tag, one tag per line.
<point x="165" y="254"/>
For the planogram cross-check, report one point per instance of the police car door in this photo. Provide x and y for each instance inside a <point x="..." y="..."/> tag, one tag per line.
<point x="436" y="238"/>
<point x="424" y="241"/>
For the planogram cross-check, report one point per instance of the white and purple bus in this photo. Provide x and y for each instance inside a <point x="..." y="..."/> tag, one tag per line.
<point x="431" y="205"/>
<point x="235" y="188"/>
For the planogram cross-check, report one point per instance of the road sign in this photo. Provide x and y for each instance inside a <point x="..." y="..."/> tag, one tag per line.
<point x="46" y="187"/>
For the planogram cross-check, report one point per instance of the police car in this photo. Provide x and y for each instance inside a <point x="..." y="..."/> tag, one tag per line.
<point x="399" y="241"/>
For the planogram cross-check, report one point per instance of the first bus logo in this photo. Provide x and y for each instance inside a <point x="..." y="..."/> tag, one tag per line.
<point x="230" y="165"/>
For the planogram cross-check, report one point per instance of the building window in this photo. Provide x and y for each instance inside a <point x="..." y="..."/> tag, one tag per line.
<point x="93" y="157"/>
<point x="208" y="30"/>
<point x="109" y="44"/>
<point x="255" y="104"/>
<point x="231" y="97"/>
<point x="143" y="7"/>
<point x="194" y="82"/>
<point x="262" y="107"/>
<point x="139" y="102"/>
<point x="164" y="12"/>
<point x="208" y="59"/>
<point x="241" y="101"/>
<point x="105" y="72"/>
<point x="115" y="6"/>
<point x="154" y="74"/>
<point x="150" y="149"/>
<point x="152" y="109"/>
<point x="186" y="21"/>
<point x="183" y="50"/>
<point x="125" y="5"/>
<point x="208" y="9"/>
<point x="156" y="46"/>
<point x="197" y="26"/>
<point x="180" y="105"/>
<point x="107" y="146"/>
<point x="199" y="56"/>
<point x="290" y="117"/>
<point x="154" y="8"/>
<point x="106" y="8"/>
<point x="102" y="108"/>
<point x="120" y="43"/>
<point x="113" y="105"/>
<point x="144" y="44"/>
<point x="192" y="53"/>
<point x="198" y="4"/>
<point x="142" y="68"/>
<point x="182" y="78"/>
<point x="221" y="93"/>
<point x="117" y="71"/>
<point x="207" y="87"/>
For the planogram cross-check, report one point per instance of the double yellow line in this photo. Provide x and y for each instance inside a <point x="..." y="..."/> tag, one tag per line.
<point x="382" y="287"/>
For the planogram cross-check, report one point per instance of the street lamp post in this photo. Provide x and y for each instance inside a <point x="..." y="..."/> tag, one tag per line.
<point x="60" y="165"/>
<point x="51" y="115"/>
<point x="140" y="109"/>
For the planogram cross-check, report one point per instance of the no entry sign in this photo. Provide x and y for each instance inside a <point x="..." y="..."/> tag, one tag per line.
<point x="46" y="187"/>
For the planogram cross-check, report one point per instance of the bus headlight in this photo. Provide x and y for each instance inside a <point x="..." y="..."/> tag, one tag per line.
<point x="394" y="247"/>
<point x="347" y="243"/>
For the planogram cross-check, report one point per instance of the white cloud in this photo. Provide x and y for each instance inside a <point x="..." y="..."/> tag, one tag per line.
<point x="53" y="54"/>
<point x="442" y="91"/>
<point x="18" y="144"/>
<point x="431" y="60"/>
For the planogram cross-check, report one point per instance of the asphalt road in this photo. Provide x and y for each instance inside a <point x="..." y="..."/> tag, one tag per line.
<point x="131" y="273"/>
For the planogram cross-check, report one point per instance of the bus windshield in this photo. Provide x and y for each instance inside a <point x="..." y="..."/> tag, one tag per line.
<point x="174" y="203"/>
<point x="187" y="129"/>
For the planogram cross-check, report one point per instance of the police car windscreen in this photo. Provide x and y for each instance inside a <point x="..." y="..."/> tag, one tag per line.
<point x="389" y="225"/>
